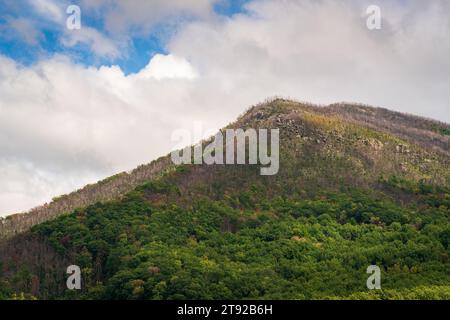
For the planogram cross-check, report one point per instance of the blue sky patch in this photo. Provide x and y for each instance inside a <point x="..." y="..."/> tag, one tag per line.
<point x="134" y="56"/>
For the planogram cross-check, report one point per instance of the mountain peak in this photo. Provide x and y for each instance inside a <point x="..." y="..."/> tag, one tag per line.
<point x="371" y="133"/>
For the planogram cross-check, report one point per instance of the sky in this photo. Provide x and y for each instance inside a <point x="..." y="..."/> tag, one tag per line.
<point x="80" y="105"/>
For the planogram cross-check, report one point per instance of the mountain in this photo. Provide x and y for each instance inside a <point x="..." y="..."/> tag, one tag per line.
<point x="356" y="186"/>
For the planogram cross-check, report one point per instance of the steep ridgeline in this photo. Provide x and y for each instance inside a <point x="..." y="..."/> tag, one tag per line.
<point x="430" y="135"/>
<point x="108" y="189"/>
<point x="356" y="186"/>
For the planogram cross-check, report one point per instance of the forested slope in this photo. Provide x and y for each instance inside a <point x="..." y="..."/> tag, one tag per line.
<point x="356" y="186"/>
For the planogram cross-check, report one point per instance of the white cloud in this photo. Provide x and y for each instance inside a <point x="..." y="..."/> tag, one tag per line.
<point x="23" y="28"/>
<point x="50" y="9"/>
<point x="168" y="67"/>
<point x="100" y="45"/>
<point x="140" y="16"/>
<point x="77" y="124"/>
<point x="323" y="52"/>
<point x="24" y="185"/>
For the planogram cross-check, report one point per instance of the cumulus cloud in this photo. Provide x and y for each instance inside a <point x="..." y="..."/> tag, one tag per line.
<point x="78" y="124"/>
<point x="140" y="16"/>
<point x="100" y="45"/>
<point x="23" y="28"/>
<point x="322" y="51"/>
<point x="168" y="67"/>
<point x="50" y="9"/>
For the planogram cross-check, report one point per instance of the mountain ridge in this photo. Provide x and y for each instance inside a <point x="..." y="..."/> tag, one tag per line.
<point x="413" y="129"/>
<point x="346" y="196"/>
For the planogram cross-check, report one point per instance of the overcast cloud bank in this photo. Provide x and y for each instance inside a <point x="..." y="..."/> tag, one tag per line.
<point x="63" y="125"/>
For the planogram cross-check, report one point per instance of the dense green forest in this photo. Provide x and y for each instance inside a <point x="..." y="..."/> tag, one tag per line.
<point x="279" y="249"/>
<point x="346" y="197"/>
